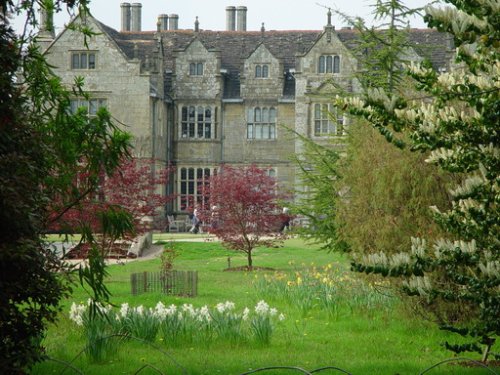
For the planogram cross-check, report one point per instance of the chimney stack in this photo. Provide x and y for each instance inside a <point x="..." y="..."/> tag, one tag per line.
<point x="173" y="23"/>
<point x="135" y="16"/>
<point x="125" y="16"/>
<point x="46" y="34"/>
<point x="46" y="23"/>
<point x="242" y="18"/>
<point x="163" y="20"/>
<point x="230" y="18"/>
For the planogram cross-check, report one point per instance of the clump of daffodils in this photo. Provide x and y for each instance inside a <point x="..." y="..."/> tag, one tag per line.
<point x="175" y="325"/>
<point x="328" y="287"/>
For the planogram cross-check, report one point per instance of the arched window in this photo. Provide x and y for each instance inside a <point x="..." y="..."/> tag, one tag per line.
<point x="258" y="71"/>
<point x="321" y="64"/>
<point x="329" y="64"/>
<point x="262" y="71"/>
<point x="265" y="71"/>
<point x="336" y="64"/>
<point x="196" y="69"/>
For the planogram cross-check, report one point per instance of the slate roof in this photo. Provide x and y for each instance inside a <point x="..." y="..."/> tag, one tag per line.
<point x="236" y="46"/>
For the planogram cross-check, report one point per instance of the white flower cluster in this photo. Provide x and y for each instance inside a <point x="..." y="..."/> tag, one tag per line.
<point x="459" y="20"/>
<point x="443" y="247"/>
<point x="417" y="68"/>
<point x="225" y="307"/>
<point x="263" y="309"/>
<point x="490" y="269"/>
<point x="418" y="246"/>
<point x="468" y="186"/>
<point x="381" y="259"/>
<point x="399" y="259"/>
<point x="355" y="102"/>
<point x="123" y="310"/>
<point x="442" y="154"/>
<point x="376" y="259"/>
<point x="77" y="312"/>
<point x="483" y="82"/>
<point x="246" y="313"/>
<point x="407" y="114"/>
<point x="422" y="285"/>
<point x="185" y="311"/>
<point x="176" y="316"/>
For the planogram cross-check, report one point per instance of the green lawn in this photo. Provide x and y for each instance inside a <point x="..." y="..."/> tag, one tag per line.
<point x="382" y="340"/>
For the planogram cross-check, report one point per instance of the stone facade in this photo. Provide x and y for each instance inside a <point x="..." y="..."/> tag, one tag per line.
<point x="199" y="98"/>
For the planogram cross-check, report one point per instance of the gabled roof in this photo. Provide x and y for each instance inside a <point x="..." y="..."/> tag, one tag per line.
<point x="263" y="45"/>
<point x="144" y="41"/>
<point x="236" y="46"/>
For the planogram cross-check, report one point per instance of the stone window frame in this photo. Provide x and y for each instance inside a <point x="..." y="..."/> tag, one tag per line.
<point x="261" y="123"/>
<point x="92" y="105"/>
<point x="328" y="120"/>
<point x="329" y="63"/>
<point x="191" y="181"/>
<point x="196" y="68"/>
<point x="83" y="60"/>
<point x="262" y="71"/>
<point x="197" y="122"/>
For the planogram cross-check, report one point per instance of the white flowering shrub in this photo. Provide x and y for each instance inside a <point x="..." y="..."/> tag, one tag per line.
<point x="456" y="122"/>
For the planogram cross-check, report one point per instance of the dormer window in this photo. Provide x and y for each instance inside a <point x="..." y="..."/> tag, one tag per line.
<point x="329" y="64"/>
<point x="262" y="71"/>
<point x="196" y="69"/>
<point x="83" y="60"/>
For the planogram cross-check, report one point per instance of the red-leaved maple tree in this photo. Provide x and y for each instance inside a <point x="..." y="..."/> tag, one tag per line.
<point x="243" y="209"/>
<point x="136" y="187"/>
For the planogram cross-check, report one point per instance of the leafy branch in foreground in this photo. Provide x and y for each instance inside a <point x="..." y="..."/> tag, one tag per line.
<point x="43" y="150"/>
<point x="458" y="126"/>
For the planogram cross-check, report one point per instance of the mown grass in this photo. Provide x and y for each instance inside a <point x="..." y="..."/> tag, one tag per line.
<point x="381" y="341"/>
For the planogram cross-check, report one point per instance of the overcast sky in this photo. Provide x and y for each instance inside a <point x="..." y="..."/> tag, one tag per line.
<point x="276" y="14"/>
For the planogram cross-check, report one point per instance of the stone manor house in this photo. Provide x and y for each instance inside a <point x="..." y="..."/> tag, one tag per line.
<point x="198" y="98"/>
